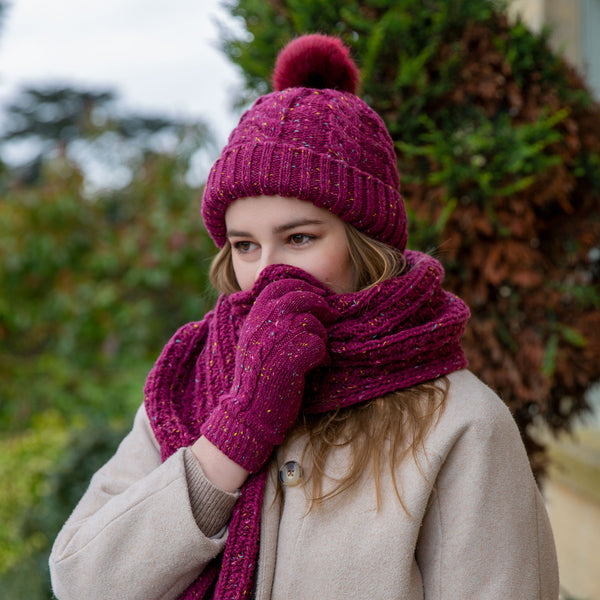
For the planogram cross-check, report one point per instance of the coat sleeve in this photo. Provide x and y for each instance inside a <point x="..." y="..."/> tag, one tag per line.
<point x="486" y="533"/>
<point x="143" y="529"/>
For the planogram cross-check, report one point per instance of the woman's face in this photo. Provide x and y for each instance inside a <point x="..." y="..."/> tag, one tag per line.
<point x="267" y="230"/>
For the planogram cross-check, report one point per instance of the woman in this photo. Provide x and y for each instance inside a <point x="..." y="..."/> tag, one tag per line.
<point x="318" y="433"/>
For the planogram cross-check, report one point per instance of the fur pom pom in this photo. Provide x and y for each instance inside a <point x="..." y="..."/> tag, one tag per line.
<point x="316" y="61"/>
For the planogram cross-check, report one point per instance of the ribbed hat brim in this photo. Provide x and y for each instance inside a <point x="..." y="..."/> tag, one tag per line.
<point x="274" y="169"/>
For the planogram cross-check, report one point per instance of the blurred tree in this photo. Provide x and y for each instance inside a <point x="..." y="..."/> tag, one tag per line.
<point x="498" y="145"/>
<point x="91" y="290"/>
<point x="56" y="115"/>
<point x="102" y="256"/>
<point x="91" y="284"/>
<point x="94" y="280"/>
<point x="88" y="126"/>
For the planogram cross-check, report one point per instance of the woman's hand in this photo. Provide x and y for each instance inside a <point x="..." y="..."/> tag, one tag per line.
<point x="282" y="339"/>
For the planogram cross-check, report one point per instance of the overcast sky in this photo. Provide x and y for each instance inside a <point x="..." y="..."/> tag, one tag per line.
<point x="159" y="55"/>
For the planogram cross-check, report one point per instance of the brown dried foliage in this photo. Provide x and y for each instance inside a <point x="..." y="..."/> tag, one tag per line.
<point x="531" y="337"/>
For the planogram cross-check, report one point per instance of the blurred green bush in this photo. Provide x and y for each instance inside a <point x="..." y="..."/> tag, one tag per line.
<point x="92" y="287"/>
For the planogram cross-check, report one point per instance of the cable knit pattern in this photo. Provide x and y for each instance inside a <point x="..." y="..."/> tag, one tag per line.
<point x="397" y="334"/>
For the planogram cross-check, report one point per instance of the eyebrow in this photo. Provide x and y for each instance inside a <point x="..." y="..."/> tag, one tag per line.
<point x="278" y="229"/>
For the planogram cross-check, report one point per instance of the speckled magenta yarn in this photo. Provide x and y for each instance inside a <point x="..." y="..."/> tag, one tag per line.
<point x="397" y="334"/>
<point x="319" y="144"/>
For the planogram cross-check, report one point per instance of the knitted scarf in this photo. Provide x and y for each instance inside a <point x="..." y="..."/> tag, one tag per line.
<point x="394" y="335"/>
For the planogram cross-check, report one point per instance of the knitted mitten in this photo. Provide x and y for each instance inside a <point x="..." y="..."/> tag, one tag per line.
<point x="282" y="339"/>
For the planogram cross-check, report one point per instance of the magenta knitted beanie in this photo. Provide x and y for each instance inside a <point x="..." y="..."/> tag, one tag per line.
<point x="310" y="141"/>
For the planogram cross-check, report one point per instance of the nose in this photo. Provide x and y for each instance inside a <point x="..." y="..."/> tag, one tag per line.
<point x="268" y="256"/>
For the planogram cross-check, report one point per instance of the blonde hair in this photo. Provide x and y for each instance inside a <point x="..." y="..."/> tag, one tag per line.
<point x="382" y="431"/>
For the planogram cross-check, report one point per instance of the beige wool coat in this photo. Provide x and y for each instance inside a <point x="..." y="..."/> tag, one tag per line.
<point x="475" y="526"/>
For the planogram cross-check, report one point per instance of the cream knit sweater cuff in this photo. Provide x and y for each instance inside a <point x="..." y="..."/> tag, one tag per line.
<point x="210" y="505"/>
